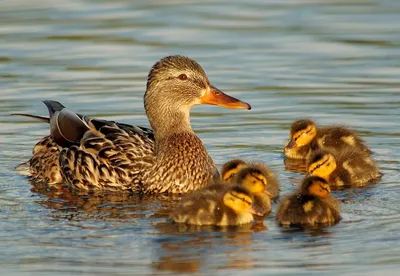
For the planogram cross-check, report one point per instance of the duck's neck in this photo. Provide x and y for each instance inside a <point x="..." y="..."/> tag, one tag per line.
<point x="167" y="119"/>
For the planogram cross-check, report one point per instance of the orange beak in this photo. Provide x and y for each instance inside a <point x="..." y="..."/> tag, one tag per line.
<point x="215" y="96"/>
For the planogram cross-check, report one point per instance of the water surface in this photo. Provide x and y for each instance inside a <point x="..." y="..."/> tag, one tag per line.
<point x="334" y="61"/>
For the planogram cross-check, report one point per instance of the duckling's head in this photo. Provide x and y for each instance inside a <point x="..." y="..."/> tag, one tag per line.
<point x="254" y="180"/>
<point x="177" y="83"/>
<point x="231" y="168"/>
<point x="315" y="186"/>
<point x="302" y="132"/>
<point x="321" y="163"/>
<point x="239" y="200"/>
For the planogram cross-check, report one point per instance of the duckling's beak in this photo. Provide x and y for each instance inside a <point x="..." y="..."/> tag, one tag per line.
<point x="290" y="145"/>
<point x="215" y="96"/>
<point x="267" y="193"/>
<point x="254" y="211"/>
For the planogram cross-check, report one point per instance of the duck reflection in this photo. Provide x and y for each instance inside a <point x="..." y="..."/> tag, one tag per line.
<point x="74" y="205"/>
<point x="185" y="248"/>
<point x="295" y="165"/>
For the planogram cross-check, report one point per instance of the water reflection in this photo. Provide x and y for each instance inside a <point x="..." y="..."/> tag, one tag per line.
<point x="184" y="248"/>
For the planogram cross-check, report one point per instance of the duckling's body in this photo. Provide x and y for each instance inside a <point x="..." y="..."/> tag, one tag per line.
<point x="348" y="168"/>
<point x="305" y="138"/>
<point x="310" y="206"/>
<point x="207" y="207"/>
<point x="91" y="154"/>
<point x="230" y="171"/>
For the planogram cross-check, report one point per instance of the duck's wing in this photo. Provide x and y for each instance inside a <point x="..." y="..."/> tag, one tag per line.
<point x="92" y="153"/>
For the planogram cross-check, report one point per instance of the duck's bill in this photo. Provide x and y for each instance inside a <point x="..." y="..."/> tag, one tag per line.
<point x="215" y="96"/>
<point x="291" y="145"/>
<point x="267" y="193"/>
<point x="253" y="211"/>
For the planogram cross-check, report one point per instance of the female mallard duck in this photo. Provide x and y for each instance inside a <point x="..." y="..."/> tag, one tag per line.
<point x="310" y="206"/>
<point x="92" y="154"/>
<point x="231" y="169"/>
<point x="210" y="208"/>
<point x="348" y="168"/>
<point x="305" y="137"/>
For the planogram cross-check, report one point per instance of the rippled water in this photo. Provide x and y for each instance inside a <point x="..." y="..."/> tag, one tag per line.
<point x="334" y="61"/>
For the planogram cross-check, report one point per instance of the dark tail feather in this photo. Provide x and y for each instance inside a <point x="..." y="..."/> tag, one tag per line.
<point x="53" y="107"/>
<point x="40" y="118"/>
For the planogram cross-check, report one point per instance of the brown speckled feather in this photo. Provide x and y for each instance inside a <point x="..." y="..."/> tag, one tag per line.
<point x="182" y="165"/>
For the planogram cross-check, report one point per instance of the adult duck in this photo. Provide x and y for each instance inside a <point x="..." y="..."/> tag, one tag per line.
<point x="92" y="154"/>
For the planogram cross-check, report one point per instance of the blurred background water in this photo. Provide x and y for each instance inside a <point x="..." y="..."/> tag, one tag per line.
<point x="335" y="61"/>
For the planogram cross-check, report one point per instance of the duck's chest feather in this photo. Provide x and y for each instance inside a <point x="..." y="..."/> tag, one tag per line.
<point x="181" y="165"/>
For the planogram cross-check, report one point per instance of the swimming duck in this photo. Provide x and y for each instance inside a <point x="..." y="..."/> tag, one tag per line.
<point x="311" y="205"/>
<point x="305" y="137"/>
<point x="234" y="207"/>
<point x="231" y="169"/>
<point x="92" y="154"/>
<point x="348" y="168"/>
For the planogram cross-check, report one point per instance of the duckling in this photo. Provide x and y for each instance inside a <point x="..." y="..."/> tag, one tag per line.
<point x="209" y="208"/>
<point x="311" y="205"/>
<point x="231" y="169"/>
<point x="305" y="137"/>
<point x="348" y="168"/>
<point x="255" y="180"/>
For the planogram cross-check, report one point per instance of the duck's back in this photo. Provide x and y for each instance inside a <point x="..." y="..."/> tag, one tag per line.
<point x="107" y="155"/>
<point x="356" y="169"/>
<point x="337" y="138"/>
<point x="305" y="210"/>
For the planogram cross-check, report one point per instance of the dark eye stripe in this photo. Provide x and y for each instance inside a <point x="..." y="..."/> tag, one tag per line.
<point x="302" y="134"/>
<point x="319" y="165"/>
<point x="241" y="198"/>
<point x="260" y="179"/>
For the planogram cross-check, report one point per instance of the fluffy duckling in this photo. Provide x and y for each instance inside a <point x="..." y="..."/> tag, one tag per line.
<point x="231" y="169"/>
<point x="255" y="181"/>
<point x="348" y="168"/>
<point x="207" y="207"/>
<point x="310" y="206"/>
<point x="305" y="137"/>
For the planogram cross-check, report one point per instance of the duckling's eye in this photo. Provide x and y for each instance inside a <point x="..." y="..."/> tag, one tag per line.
<point x="182" y="77"/>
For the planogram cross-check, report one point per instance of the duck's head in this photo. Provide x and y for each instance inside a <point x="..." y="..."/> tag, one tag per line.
<point x="231" y="168"/>
<point x="177" y="83"/>
<point x="302" y="132"/>
<point x="254" y="180"/>
<point x="315" y="186"/>
<point x="321" y="163"/>
<point x="239" y="200"/>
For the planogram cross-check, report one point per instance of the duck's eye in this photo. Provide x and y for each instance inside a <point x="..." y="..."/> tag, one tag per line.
<point x="182" y="77"/>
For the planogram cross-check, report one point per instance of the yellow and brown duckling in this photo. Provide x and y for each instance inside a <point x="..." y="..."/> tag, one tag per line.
<point x="255" y="180"/>
<point x="231" y="169"/>
<point x="305" y="137"/>
<point x="233" y="207"/>
<point x="311" y="205"/>
<point x="348" y="168"/>
<point x="92" y="154"/>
